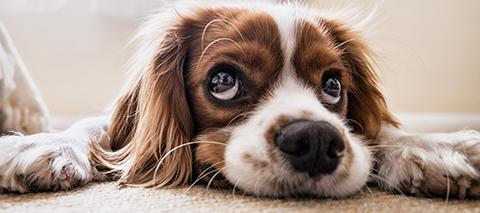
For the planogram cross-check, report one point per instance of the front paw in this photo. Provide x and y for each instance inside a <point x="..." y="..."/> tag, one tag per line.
<point x="425" y="166"/>
<point x="51" y="172"/>
<point x="50" y="165"/>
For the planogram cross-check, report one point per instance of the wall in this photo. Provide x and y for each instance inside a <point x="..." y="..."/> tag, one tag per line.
<point x="76" y="56"/>
<point x="429" y="55"/>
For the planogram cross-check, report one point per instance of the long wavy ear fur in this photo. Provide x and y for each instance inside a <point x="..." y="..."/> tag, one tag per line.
<point x="151" y="122"/>
<point x="367" y="108"/>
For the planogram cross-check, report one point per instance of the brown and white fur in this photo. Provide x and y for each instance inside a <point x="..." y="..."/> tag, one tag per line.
<point x="167" y="129"/>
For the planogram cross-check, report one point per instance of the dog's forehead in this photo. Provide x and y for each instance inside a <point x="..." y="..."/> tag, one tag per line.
<point x="297" y="42"/>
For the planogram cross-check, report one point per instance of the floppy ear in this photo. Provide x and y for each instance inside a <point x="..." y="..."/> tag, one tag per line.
<point x="152" y="120"/>
<point x="366" y="105"/>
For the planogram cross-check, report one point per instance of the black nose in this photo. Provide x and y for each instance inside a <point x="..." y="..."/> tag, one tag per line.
<point x="314" y="147"/>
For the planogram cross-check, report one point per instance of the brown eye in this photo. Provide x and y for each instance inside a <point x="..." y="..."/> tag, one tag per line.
<point x="331" y="90"/>
<point x="224" y="84"/>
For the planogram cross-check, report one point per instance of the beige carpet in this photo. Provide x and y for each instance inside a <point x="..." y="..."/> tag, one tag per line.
<point x="105" y="197"/>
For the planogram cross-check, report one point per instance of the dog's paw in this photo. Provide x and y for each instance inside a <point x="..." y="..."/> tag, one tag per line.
<point x="42" y="163"/>
<point x="434" y="165"/>
<point x="51" y="172"/>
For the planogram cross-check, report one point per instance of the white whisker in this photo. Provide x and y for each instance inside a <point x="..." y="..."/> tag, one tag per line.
<point x="214" y="176"/>
<point x="214" y="42"/>
<point x="176" y="148"/>
<point x="218" y="20"/>
<point x="204" y="174"/>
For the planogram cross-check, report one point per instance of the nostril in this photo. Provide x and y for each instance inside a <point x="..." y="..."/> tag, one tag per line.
<point x="295" y="148"/>
<point x="291" y="144"/>
<point x="336" y="149"/>
<point x="303" y="147"/>
<point x="335" y="153"/>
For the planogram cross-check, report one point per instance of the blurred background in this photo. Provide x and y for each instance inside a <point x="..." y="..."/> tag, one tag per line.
<point x="76" y="50"/>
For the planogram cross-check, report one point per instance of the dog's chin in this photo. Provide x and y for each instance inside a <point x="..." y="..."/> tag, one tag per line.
<point x="261" y="177"/>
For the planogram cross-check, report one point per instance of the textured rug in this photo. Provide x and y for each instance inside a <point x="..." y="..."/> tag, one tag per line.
<point x="106" y="197"/>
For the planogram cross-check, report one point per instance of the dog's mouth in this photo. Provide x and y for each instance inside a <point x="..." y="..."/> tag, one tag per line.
<point x="298" y="158"/>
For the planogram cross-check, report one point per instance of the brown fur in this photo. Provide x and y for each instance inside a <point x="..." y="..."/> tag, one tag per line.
<point x="367" y="108"/>
<point x="258" y="164"/>
<point x="281" y="121"/>
<point x="258" y="57"/>
<point x="152" y="119"/>
<point x="315" y="56"/>
<point x="209" y="157"/>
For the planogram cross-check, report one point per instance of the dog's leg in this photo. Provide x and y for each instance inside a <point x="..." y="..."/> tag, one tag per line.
<point x="50" y="161"/>
<point x="443" y="164"/>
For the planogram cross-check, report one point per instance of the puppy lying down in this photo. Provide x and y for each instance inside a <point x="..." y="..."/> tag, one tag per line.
<point x="272" y="99"/>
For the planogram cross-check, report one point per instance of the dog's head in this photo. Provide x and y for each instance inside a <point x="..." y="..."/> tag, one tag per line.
<point x="276" y="100"/>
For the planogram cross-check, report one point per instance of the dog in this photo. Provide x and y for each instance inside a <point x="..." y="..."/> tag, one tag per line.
<point x="275" y="100"/>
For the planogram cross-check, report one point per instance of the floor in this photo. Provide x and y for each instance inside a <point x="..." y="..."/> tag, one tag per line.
<point x="106" y="197"/>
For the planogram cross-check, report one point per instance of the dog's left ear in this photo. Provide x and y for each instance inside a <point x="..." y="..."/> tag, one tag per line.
<point x="366" y="105"/>
<point x="151" y="123"/>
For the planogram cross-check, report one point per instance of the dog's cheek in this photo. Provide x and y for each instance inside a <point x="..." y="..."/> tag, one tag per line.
<point x="209" y="159"/>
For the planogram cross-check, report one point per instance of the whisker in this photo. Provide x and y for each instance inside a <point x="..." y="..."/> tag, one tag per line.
<point x="217" y="20"/>
<point x="200" y="178"/>
<point x="200" y="60"/>
<point x="448" y="190"/>
<point x="205" y="30"/>
<point x="355" y="122"/>
<point x="238" y="116"/>
<point x="236" y="29"/>
<point x="234" y="187"/>
<point x="178" y="147"/>
<point x="204" y="174"/>
<point x="447" y="196"/>
<point x="255" y="186"/>
<point x="369" y="190"/>
<point x="214" y="176"/>
<point x="388" y="146"/>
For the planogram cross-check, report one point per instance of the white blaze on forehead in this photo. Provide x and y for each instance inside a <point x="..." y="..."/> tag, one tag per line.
<point x="286" y="21"/>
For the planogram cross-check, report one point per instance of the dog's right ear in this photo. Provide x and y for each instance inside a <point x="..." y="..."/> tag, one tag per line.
<point x="366" y="104"/>
<point x="151" y="122"/>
